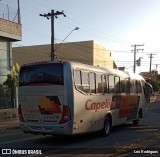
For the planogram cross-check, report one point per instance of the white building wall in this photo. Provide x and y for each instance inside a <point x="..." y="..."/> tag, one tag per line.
<point x="4" y="59"/>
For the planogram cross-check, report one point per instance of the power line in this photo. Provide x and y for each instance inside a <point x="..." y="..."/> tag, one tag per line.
<point x="31" y="5"/>
<point x="109" y="37"/>
<point x="91" y="33"/>
<point x="73" y="51"/>
<point x="95" y="34"/>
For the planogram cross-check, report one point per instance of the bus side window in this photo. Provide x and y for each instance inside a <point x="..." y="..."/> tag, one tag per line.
<point x="85" y="82"/>
<point x="122" y="85"/>
<point x="92" y="83"/>
<point x="98" y="83"/>
<point x="127" y="86"/>
<point x="132" y="87"/>
<point x="111" y="84"/>
<point x="81" y="80"/>
<point x="77" y="77"/>
<point x="138" y="87"/>
<point x="148" y="89"/>
<point x="117" y="84"/>
<point x="105" y="84"/>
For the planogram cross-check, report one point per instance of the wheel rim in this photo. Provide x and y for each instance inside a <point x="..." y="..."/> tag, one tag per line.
<point x="139" y="117"/>
<point x="107" y="126"/>
<point x="136" y="122"/>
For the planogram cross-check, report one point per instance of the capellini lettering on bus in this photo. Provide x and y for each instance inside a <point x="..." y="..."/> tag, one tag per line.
<point x="89" y="105"/>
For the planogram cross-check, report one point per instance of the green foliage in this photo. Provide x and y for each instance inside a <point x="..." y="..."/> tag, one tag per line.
<point x="12" y="79"/>
<point x="155" y="81"/>
<point x="156" y="85"/>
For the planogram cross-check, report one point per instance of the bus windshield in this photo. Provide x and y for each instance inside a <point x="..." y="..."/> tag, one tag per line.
<point x="51" y="73"/>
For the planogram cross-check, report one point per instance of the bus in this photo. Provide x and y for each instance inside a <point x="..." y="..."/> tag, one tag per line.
<point x="67" y="98"/>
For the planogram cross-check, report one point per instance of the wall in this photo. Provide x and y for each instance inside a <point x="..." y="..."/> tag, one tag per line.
<point x="88" y="52"/>
<point x="102" y="56"/>
<point x="7" y="114"/>
<point x="10" y="30"/>
<point x="77" y="51"/>
<point x="5" y="63"/>
<point x="28" y="54"/>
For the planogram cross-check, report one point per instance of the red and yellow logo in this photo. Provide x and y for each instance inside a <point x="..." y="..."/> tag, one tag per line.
<point x="49" y="105"/>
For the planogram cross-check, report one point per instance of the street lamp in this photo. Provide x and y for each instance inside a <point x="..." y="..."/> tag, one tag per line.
<point x="77" y="28"/>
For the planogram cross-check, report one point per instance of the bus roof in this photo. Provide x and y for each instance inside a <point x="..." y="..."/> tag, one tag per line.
<point x="93" y="68"/>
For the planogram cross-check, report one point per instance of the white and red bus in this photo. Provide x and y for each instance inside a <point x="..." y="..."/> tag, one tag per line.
<point x="66" y="98"/>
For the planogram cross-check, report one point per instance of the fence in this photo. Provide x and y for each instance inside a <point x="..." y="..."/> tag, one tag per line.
<point x="9" y="13"/>
<point x="8" y="98"/>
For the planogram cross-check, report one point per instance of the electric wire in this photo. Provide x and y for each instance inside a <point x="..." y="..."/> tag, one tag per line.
<point x="84" y="30"/>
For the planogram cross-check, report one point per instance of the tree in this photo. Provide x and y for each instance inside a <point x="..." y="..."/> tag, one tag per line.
<point x="155" y="81"/>
<point x="12" y="79"/>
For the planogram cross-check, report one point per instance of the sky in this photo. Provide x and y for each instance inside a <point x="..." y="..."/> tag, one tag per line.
<point x="116" y="24"/>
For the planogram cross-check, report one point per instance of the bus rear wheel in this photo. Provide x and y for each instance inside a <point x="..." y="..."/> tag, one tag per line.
<point x="107" y="126"/>
<point x="136" y="122"/>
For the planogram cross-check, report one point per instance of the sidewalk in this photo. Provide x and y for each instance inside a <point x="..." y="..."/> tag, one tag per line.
<point x="9" y="124"/>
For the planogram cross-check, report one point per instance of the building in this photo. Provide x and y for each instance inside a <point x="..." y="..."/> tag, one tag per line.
<point x="88" y="52"/>
<point x="10" y="31"/>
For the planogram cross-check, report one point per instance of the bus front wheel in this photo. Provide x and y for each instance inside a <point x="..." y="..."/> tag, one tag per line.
<point x="107" y="126"/>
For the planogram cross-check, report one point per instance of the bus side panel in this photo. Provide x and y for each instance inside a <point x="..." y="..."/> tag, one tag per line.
<point x="83" y="119"/>
<point x="68" y="92"/>
<point x="90" y="111"/>
<point x="125" y="109"/>
<point x="142" y="104"/>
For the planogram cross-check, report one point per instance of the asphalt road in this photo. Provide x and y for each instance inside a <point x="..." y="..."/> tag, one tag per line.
<point x="124" y="139"/>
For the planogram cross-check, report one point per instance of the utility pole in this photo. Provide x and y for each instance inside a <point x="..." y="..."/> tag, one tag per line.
<point x="135" y="51"/>
<point x="52" y="15"/>
<point x="150" y="56"/>
<point x="19" y="18"/>
<point x="156" y="66"/>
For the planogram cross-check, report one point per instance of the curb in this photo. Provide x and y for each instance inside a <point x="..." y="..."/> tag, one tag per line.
<point x="9" y="128"/>
<point x="10" y="124"/>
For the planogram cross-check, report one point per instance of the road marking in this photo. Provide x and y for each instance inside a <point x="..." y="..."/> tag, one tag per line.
<point x="19" y="140"/>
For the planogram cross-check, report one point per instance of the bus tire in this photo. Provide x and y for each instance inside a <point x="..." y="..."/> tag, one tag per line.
<point x="107" y="126"/>
<point x="136" y="122"/>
